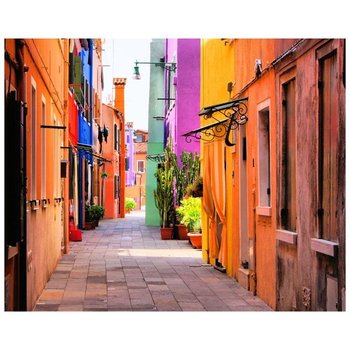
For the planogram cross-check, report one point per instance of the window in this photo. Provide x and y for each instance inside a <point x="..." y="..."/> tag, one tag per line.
<point x="264" y="157"/>
<point x="116" y="137"/>
<point x="127" y="165"/>
<point x="87" y="100"/>
<point x="139" y="138"/>
<point x="116" y="186"/>
<point x="288" y="158"/>
<point x="327" y="148"/>
<point x="43" y="148"/>
<point x="140" y="166"/>
<point x="33" y="140"/>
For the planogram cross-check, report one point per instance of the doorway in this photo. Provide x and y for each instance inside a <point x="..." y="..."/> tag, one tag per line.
<point x="243" y="200"/>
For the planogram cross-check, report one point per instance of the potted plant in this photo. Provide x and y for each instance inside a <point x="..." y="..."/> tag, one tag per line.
<point x="186" y="171"/>
<point x="181" y="228"/>
<point x="93" y="213"/>
<point x="164" y="194"/>
<point x="89" y="222"/>
<point x="130" y="204"/>
<point x="190" y="214"/>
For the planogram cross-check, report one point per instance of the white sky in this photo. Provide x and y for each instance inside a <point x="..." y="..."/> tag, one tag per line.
<point x="120" y="55"/>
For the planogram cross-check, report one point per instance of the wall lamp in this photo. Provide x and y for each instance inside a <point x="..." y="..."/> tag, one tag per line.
<point x="170" y="66"/>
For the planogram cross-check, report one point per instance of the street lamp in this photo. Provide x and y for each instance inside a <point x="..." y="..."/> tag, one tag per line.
<point x="169" y="66"/>
<point x="136" y="74"/>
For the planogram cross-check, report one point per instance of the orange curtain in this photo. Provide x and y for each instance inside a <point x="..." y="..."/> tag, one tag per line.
<point x="218" y="186"/>
<point x="208" y="203"/>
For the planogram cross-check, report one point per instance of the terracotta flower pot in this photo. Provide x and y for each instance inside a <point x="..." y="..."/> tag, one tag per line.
<point x="182" y="231"/>
<point x="89" y="225"/>
<point x="196" y="239"/>
<point x="166" y="232"/>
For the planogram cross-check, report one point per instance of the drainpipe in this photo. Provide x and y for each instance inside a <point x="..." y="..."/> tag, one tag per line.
<point x="22" y="95"/>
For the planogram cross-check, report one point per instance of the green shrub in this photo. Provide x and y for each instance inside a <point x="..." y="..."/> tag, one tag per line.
<point x="94" y="212"/>
<point x="130" y="203"/>
<point x="189" y="213"/>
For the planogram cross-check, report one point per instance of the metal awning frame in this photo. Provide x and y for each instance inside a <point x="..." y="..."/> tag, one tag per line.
<point x="235" y="115"/>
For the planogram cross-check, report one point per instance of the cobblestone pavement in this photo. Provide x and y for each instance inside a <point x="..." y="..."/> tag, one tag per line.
<point x="123" y="265"/>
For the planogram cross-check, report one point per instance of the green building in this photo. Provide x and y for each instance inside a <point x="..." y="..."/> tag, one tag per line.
<point x="155" y="128"/>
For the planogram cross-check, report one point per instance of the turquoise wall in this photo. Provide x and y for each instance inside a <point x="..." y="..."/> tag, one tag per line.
<point x="155" y="128"/>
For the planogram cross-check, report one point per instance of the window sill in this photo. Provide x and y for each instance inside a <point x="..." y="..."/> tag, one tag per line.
<point x="324" y="247"/>
<point x="287" y="236"/>
<point x="12" y="251"/>
<point x="263" y="211"/>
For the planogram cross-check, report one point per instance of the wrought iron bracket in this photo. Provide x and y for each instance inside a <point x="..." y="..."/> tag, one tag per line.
<point x="156" y="157"/>
<point x="234" y="113"/>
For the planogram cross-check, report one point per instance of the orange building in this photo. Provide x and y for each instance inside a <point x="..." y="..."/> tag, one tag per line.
<point x="36" y="218"/>
<point x="274" y="186"/>
<point x="254" y="181"/>
<point x="138" y="190"/>
<point x="109" y="172"/>
<point x="119" y="104"/>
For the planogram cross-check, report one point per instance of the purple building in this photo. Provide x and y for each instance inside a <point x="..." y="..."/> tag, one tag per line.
<point x="182" y="93"/>
<point x="129" y="154"/>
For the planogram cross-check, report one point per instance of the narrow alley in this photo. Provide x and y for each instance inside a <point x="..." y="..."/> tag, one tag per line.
<point x="123" y="265"/>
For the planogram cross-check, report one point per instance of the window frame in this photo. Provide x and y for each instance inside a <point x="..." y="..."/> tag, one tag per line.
<point x="137" y="166"/>
<point x="264" y="174"/>
<point x="324" y="53"/>
<point x="34" y="115"/>
<point x="285" y="78"/>
<point x="43" y="146"/>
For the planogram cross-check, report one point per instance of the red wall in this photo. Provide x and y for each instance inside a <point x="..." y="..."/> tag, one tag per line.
<point x="73" y="119"/>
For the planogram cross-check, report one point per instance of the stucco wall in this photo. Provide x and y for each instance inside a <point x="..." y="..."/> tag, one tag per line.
<point x="111" y="204"/>
<point x="155" y="128"/>
<point x="217" y="68"/>
<point x="45" y="226"/>
<point x="309" y="279"/>
<point x="187" y="93"/>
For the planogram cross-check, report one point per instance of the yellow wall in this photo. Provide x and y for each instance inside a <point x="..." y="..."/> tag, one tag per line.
<point x="217" y="70"/>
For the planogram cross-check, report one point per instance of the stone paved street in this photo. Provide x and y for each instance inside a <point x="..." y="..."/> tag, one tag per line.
<point x="123" y="265"/>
